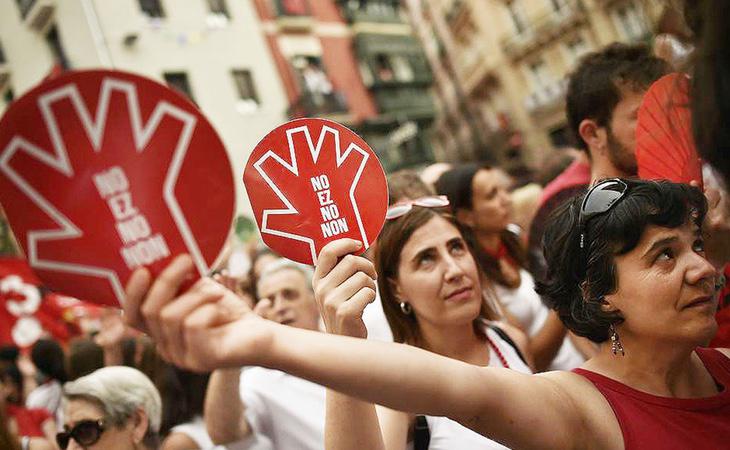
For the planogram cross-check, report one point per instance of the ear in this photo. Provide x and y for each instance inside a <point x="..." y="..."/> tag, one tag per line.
<point x="594" y="135"/>
<point x="397" y="292"/>
<point x="607" y="304"/>
<point x="141" y="425"/>
<point x="465" y="216"/>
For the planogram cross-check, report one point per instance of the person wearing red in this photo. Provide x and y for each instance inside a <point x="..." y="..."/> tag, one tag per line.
<point x="627" y="269"/>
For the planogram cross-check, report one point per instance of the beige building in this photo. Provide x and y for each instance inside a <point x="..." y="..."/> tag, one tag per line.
<point x="500" y="67"/>
<point x="213" y="50"/>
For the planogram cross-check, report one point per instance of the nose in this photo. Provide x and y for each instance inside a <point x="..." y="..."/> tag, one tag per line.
<point x="700" y="271"/>
<point x="453" y="270"/>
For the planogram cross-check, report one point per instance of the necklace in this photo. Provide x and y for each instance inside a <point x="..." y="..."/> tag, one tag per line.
<point x="501" y="357"/>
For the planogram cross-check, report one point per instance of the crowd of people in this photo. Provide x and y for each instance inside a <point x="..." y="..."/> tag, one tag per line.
<point x="586" y="322"/>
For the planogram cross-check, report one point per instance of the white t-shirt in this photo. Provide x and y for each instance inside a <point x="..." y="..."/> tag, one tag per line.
<point x="287" y="410"/>
<point x="447" y="434"/>
<point x="375" y="321"/>
<point x="195" y="430"/>
<point x="527" y="307"/>
<point x="47" y="396"/>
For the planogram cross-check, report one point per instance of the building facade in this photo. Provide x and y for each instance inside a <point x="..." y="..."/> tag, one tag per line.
<point x="500" y="68"/>
<point x="356" y="62"/>
<point x="211" y="50"/>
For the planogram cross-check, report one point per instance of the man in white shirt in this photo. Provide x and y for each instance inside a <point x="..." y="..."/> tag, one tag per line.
<point x="257" y="404"/>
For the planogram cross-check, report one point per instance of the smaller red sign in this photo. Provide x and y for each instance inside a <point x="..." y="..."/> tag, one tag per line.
<point x="311" y="181"/>
<point x="102" y="172"/>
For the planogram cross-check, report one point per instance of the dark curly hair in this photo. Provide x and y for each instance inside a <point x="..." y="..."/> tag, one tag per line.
<point x="576" y="283"/>
<point x="594" y="87"/>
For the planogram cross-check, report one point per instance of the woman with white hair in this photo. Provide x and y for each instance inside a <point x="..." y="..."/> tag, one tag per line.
<point x="113" y="408"/>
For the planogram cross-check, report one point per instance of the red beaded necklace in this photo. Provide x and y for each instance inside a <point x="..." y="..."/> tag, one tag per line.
<point x="498" y="352"/>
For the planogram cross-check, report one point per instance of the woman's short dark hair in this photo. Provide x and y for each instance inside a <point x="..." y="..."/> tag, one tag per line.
<point x="576" y="282"/>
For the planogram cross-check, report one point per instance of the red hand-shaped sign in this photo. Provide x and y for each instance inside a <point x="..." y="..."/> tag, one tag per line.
<point x="311" y="181"/>
<point x="102" y="172"/>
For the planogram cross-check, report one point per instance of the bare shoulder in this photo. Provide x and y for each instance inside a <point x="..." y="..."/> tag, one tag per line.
<point x="593" y="410"/>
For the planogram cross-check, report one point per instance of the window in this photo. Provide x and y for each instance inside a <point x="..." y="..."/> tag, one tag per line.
<point x="179" y="82"/>
<point x="54" y="44"/>
<point x="9" y="96"/>
<point x="218" y="7"/>
<point x="631" y="22"/>
<point x="575" y="48"/>
<point x="539" y="73"/>
<point x="515" y="14"/>
<point x="152" y="8"/>
<point x="558" y="4"/>
<point x="401" y="68"/>
<point x="293" y="7"/>
<point x="245" y="87"/>
<point x="25" y="6"/>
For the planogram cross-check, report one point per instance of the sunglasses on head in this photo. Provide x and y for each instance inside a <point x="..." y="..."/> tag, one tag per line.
<point x="599" y="200"/>
<point x="85" y="433"/>
<point x="402" y="208"/>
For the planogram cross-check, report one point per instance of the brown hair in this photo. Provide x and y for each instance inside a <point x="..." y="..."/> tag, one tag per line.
<point x="406" y="184"/>
<point x="391" y="241"/>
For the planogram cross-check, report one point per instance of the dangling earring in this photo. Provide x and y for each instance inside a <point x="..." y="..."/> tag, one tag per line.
<point x="616" y="346"/>
<point x="406" y="308"/>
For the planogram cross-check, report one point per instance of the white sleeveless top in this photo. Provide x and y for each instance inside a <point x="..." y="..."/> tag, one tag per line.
<point x="447" y="434"/>
<point x="527" y="307"/>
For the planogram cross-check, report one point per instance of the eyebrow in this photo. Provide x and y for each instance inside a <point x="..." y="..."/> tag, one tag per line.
<point x="422" y="252"/>
<point x="661" y="243"/>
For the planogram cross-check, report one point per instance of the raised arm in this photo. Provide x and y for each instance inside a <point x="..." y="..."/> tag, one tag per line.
<point x="343" y="286"/>
<point x="208" y="328"/>
<point x="224" y="408"/>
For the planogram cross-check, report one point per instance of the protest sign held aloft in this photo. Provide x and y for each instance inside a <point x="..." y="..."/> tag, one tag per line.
<point x="311" y="181"/>
<point x="102" y="172"/>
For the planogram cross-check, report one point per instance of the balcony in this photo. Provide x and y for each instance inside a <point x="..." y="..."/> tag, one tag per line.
<point x="546" y="98"/>
<point x="318" y="105"/>
<point x="543" y="29"/>
<point x="372" y="11"/>
<point x="293" y="15"/>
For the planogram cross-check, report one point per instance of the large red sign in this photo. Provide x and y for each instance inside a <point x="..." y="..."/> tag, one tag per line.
<point x="311" y="181"/>
<point x="102" y="172"/>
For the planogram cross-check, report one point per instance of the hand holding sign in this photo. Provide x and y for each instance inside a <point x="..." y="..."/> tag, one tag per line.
<point x="311" y="181"/>
<point x="102" y="172"/>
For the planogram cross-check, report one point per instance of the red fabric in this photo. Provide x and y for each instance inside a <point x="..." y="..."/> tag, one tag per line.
<point x="23" y="319"/>
<point x="576" y="174"/>
<point x="29" y="421"/>
<point x="651" y="422"/>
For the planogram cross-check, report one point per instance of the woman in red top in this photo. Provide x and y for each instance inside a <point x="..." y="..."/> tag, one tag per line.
<point x="627" y="269"/>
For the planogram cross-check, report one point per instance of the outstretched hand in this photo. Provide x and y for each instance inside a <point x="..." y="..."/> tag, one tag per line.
<point x="344" y="284"/>
<point x="204" y="328"/>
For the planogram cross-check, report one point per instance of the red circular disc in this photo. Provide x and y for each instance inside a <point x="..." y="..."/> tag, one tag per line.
<point x="311" y="181"/>
<point x="102" y="172"/>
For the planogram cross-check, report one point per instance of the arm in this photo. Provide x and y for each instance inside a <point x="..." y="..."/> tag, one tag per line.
<point x="49" y="430"/>
<point x="178" y="441"/>
<point x="342" y="290"/>
<point x="205" y="328"/>
<point x="224" y="408"/>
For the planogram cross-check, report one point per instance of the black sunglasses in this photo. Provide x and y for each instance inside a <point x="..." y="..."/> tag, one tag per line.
<point x="599" y="200"/>
<point x="85" y="433"/>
